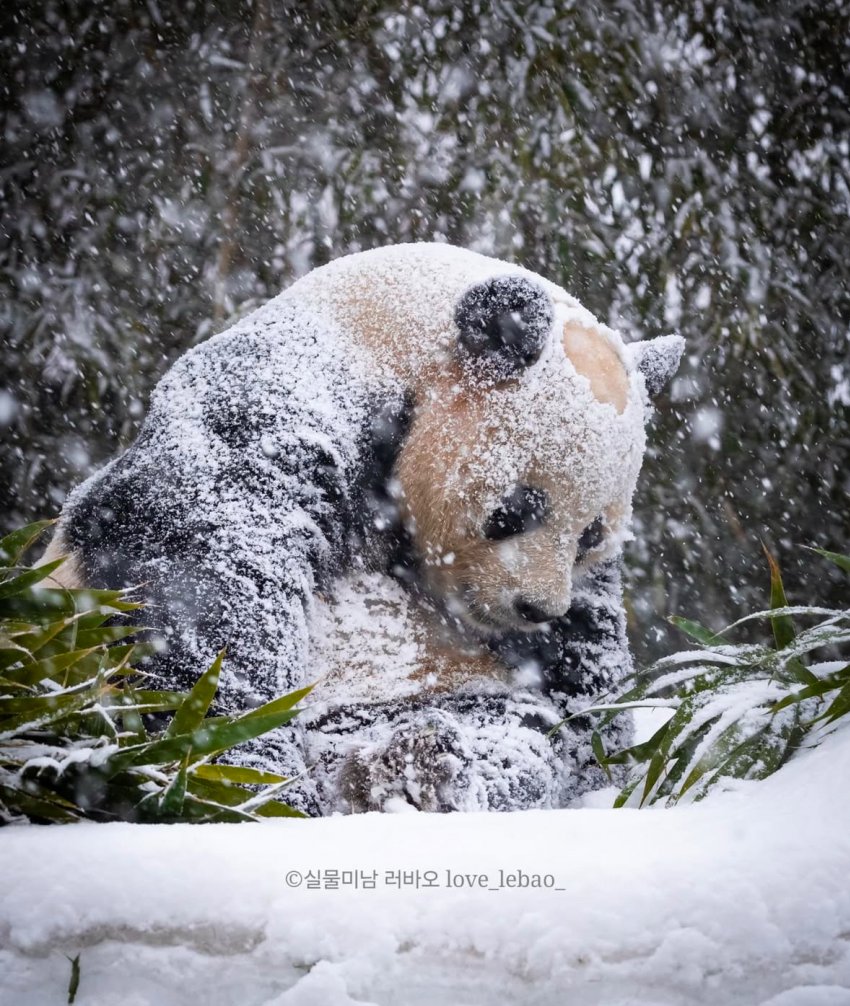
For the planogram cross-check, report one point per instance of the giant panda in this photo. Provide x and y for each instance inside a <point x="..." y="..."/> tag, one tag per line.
<point x="457" y="428"/>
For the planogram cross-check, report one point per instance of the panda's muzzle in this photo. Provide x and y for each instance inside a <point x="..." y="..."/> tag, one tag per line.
<point x="531" y="612"/>
<point x="522" y="614"/>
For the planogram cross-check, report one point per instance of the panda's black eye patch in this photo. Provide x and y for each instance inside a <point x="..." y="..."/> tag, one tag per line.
<point x="590" y="538"/>
<point x="523" y="509"/>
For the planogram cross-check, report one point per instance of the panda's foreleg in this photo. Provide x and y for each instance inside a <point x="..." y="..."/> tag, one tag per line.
<point x="581" y="659"/>
<point x="227" y="601"/>
<point x="207" y="586"/>
<point x="595" y="663"/>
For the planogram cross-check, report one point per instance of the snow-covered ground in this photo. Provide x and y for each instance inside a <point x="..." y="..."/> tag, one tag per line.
<point x="742" y="899"/>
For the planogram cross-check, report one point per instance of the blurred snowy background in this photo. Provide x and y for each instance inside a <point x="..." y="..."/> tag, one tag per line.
<point x="679" y="166"/>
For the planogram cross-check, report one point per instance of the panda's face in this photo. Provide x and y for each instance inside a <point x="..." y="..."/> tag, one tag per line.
<point x="519" y="469"/>
<point x="513" y="489"/>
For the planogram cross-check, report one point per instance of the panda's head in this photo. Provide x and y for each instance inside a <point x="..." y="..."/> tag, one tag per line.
<point x="518" y="470"/>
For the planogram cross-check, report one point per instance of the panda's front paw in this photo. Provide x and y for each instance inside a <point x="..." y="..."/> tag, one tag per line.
<point x="424" y="762"/>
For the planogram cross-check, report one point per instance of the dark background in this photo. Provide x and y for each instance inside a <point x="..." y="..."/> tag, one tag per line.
<point x="678" y="166"/>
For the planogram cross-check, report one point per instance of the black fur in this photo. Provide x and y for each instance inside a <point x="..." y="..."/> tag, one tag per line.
<point x="374" y="489"/>
<point x="568" y="653"/>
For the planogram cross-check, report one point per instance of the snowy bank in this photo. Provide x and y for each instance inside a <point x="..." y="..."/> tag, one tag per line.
<point x="742" y="899"/>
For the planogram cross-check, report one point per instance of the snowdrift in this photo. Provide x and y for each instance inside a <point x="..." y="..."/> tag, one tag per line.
<point x="741" y="899"/>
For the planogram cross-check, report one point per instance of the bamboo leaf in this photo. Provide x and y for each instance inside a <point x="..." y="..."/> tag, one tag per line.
<point x="233" y="775"/>
<point x="842" y="561"/>
<point x="206" y="740"/>
<point x="174" y="795"/>
<point x="193" y="709"/>
<point x="840" y="706"/>
<point x="598" y="749"/>
<point x="14" y="545"/>
<point x="278" y="705"/>
<point x="16" y="584"/>
<point x="48" y="667"/>
<point x="38" y="805"/>
<point x="48" y="712"/>
<point x="694" y="630"/>
<point x="274" y="808"/>
<point x="783" y="626"/>
<point x="68" y="685"/>
<point x="28" y="642"/>
<point x="105" y="634"/>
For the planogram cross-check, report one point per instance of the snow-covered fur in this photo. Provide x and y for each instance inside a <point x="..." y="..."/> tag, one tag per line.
<point x="407" y="708"/>
<point x="456" y="426"/>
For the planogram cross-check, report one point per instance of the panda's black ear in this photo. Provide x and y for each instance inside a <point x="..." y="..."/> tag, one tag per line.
<point x="657" y="359"/>
<point x="504" y="323"/>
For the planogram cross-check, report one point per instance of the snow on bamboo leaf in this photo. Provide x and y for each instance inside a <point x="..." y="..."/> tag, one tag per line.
<point x="739" y="710"/>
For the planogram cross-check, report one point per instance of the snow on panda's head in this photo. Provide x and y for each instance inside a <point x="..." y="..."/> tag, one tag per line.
<point x="519" y="466"/>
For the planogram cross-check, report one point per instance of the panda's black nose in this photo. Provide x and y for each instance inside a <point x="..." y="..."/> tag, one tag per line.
<point x="532" y="612"/>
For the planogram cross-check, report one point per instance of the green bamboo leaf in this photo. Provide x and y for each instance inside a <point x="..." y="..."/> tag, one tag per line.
<point x="598" y="749"/>
<point x="839" y="707"/>
<point x="36" y="703"/>
<point x="171" y="802"/>
<point x="41" y="806"/>
<point x="274" y="808"/>
<point x="147" y="701"/>
<point x="33" y="639"/>
<point x="131" y="720"/>
<point x="842" y="561"/>
<point x="801" y="673"/>
<point x="50" y="710"/>
<point x="207" y="739"/>
<point x="219" y="807"/>
<point x="710" y="759"/>
<point x="783" y="626"/>
<point x="217" y="791"/>
<point x="821" y="686"/>
<point x="38" y="605"/>
<point x="657" y="764"/>
<point x="695" y="630"/>
<point x="278" y="705"/>
<point x="682" y="757"/>
<point x="105" y="634"/>
<point x="193" y="709"/>
<point x="117" y="654"/>
<point x="12" y="653"/>
<point x="235" y="775"/>
<point x="763" y="751"/>
<point x="642" y="752"/>
<point x="626" y="792"/>
<point x="16" y="584"/>
<point x="7" y="685"/>
<point x="662" y="754"/>
<point x="14" y="545"/>
<point x="35" y="671"/>
<point x="210" y="813"/>
<point x="226" y="794"/>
